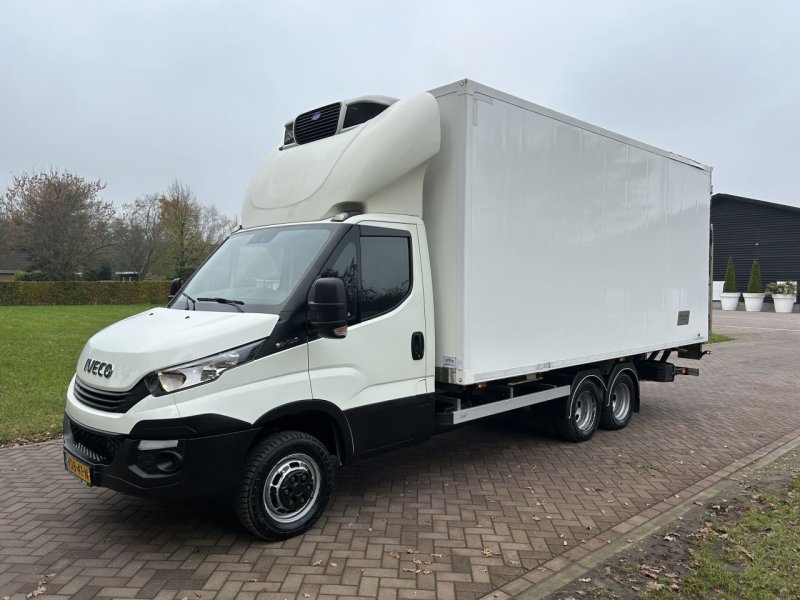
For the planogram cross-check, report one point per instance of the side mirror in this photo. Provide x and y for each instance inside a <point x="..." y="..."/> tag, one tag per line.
<point x="174" y="287"/>
<point x="327" y="308"/>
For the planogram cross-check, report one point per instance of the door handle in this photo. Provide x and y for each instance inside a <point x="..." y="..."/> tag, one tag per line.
<point x="417" y="345"/>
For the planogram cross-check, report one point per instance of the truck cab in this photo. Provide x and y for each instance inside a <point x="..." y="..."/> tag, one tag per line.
<point x="298" y="345"/>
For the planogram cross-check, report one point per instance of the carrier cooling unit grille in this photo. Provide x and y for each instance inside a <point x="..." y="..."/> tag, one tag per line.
<point x="317" y="124"/>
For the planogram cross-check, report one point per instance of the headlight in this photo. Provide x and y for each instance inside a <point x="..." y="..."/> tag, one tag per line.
<point x="204" y="370"/>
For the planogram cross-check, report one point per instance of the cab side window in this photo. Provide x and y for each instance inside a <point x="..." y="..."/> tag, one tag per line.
<point x="385" y="273"/>
<point x="345" y="267"/>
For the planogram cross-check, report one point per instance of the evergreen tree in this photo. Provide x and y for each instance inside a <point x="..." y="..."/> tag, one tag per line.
<point x="754" y="285"/>
<point x="729" y="287"/>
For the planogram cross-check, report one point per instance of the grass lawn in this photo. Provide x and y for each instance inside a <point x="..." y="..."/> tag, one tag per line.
<point x="754" y="556"/>
<point x="39" y="348"/>
<point x="715" y="338"/>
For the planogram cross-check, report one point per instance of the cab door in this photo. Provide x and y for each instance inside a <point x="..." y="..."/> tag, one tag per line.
<point x="376" y="374"/>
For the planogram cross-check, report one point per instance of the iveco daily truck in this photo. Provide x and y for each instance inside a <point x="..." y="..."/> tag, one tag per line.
<point x="403" y="267"/>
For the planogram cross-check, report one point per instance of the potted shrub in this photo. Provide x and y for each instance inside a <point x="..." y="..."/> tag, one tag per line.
<point x="729" y="298"/>
<point x="754" y="296"/>
<point x="783" y="295"/>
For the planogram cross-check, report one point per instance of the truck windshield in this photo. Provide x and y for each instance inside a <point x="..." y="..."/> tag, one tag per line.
<point x="255" y="270"/>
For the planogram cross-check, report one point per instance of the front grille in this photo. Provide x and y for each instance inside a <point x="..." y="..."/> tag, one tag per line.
<point x="118" y="402"/>
<point x="95" y="446"/>
<point x="317" y="124"/>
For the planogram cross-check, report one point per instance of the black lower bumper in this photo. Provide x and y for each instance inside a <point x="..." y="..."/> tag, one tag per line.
<point x="202" y="465"/>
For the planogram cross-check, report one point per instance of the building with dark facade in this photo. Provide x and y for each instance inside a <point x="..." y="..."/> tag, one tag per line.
<point x="746" y="229"/>
<point x="12" y="262"/>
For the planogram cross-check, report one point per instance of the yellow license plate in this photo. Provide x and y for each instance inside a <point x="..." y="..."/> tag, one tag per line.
<point x="77" y="468"/>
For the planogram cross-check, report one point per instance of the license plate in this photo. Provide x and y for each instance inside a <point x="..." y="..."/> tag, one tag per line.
<point x="81" y="470"/>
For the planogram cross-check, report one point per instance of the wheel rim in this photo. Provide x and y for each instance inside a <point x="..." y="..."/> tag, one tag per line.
<point x="585" y="410"/>
<point x="620" y="401"/>
<point x="291" y="488"/>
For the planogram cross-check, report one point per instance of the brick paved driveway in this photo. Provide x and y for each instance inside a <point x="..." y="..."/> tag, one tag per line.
<point x="488" y="509"/>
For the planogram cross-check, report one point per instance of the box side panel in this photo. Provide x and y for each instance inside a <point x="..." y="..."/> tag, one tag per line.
<point x="443" y="214"/>
<point x="475" y="88"/>
<point x="579" y="247"/>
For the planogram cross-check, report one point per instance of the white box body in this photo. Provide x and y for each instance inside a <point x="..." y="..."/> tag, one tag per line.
<point x="557" y="243"/>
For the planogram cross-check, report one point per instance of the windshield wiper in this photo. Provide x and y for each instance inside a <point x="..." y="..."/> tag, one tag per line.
<point x="234" y="303"/>
<point x="194" y="303"/>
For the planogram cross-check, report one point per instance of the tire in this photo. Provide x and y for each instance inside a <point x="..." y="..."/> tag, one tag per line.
<point x="577" y="417"/>
<point x="618" y="409"/>
<point x="286" y="484"/>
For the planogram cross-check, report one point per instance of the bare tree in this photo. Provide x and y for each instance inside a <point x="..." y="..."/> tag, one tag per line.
<point x="57" y="220"/>
<point x="215" y="226"/>
<point x="5" y="226"/>
<point x="181" y="226"/>
<point x="189" y="230"/>
<point x="138" y="234"/>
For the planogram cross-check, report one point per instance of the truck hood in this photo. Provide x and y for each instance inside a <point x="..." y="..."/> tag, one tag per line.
<point x="163" y="337"/>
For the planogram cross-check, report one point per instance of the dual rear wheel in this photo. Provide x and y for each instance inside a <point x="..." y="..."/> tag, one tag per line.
<point x="621" y="395"/>
<point x="594" y="402"/>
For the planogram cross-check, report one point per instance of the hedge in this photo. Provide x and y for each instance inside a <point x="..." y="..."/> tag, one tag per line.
<point x="83" y="292"/>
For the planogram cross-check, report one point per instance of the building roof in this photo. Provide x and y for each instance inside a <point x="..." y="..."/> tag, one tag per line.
<point x="12" y="261"/>
<point x="754" y="201"/>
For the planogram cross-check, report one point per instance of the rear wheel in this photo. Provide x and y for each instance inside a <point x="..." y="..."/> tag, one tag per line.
<point x="286" y="484"/>
<point x="577" y="417"/>
<point x="618" y="410"/>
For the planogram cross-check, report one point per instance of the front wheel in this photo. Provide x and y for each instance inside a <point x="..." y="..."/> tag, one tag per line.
<point x="286" y="484"/>
<point x="578" y="416"/>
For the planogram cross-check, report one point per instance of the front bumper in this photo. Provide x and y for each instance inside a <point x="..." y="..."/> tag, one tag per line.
<point x="200" y="465"/>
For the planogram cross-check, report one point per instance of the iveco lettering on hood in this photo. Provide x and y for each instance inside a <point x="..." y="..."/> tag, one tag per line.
<point x="404" y="266"/>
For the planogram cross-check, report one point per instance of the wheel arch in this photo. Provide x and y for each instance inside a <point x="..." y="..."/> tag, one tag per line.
<point x="574" y="378"/>
<point x="591" y="374"/>
<point x="319" y="418"/>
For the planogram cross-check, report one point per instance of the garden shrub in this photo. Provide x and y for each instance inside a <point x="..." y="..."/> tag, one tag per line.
<point x="83" y="292"/>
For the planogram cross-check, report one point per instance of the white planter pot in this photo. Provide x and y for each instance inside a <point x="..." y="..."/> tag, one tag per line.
<point x="783" y="302"/>
<point x="729" y="300"/>
<point x="753" y="302"/>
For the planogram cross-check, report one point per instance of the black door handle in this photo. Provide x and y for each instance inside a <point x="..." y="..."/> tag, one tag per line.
<point x="417" y="345"/>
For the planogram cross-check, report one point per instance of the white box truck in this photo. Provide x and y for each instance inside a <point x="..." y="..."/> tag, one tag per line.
<point x="403" y="267"/>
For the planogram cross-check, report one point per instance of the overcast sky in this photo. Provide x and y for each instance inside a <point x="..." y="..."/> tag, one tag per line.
<point x="139" y="93"/>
